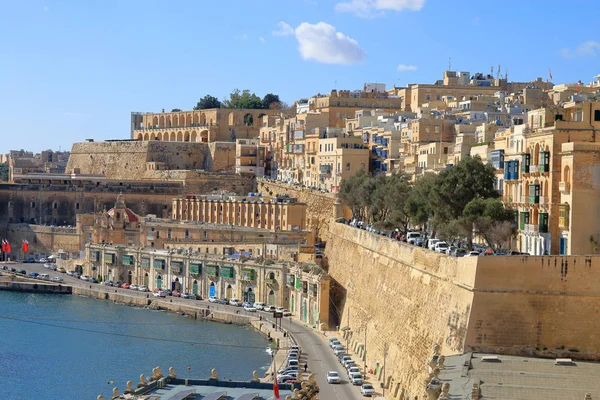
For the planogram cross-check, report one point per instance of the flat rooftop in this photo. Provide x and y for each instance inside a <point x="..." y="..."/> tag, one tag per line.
<point x="199" y="392"/>
<point x="520" y="378"/>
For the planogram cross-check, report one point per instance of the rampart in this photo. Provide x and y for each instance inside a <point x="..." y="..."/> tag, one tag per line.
<point x="409" y="299"/>
<point x="319" y="210"/>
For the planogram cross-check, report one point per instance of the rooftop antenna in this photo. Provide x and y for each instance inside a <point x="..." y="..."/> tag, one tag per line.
<point x="498" y="73"/>
<point x="506" y="74"/>
<point x="449" y="63"/>
<point x="492" y="71"/>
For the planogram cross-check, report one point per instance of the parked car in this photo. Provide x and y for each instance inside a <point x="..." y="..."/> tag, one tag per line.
<point x="223" y="301"/>
<point x="188" y="296"/>
<point x="441" y="247"/>
<point x="43" y="260"/>
<point x="107" y="283"/>
<point x="353" y="370"/>
<point x="334" y="342"/>
<point x="84" y="277"/>
<point x="71" y="272"/>
<point x="250" y="308"/>
<point x="160" y="293"/>
<point x="431" y="243"/>
<point x="57" y="279"/>
<point x="246" y="304"/>
<point x="133" y="287"/>
<point x="125" y="285"/>
<point x="459" y="253"/>
<point x="92" y="280"/>
<point x="292" y="363"/>
<point x="338" y="350"/>
<point x="175" y="293"/>
<point x="356" y="379"/>
<point x="472" y="254"/>
<point x="142" y="288"/>
<point x="286" y="313"/>
<point x="61" y="270"/>
<point x="213" y="299"/>
<point x="412" y="236"/>
<point x="333" y="377"/>
<point x="347" y="362"/>
<point x="269" y="308"/>
<point x="117" y="284"/>
<point x="44" y="277"/>
<point x="235" y="302"/>
<point x="284" y="371"/>
<point x="34" y="274"/>
<point x="21" y="272"/>
<point x="367" y="390"/>
<point x="279" y="309"/>
<point x="259" y="305"/>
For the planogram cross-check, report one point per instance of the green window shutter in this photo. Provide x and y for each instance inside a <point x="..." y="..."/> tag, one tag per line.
<point x="145" y="262"/>
<point x="227" y="272"/>
<point x="159" y="264"/>
<point x="212" y="270"/>
<point x="298" y="283"/>
<point x="313" y="289"/>
<point x="127" y="259"/>
<point x="94" y="256"/>
<point x="290" y="280"/>
<point x="195" y="268"/>
<point x="109" y="258"/>
<point x="247" y="274"/>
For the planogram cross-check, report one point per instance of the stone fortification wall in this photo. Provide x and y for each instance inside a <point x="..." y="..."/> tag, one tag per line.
<point x="43" y="239"/>
<point x="319" y="210"/>
<point x="129" y="160"/>
<point x="543" y="306"/>
<point x="404" y="297"/>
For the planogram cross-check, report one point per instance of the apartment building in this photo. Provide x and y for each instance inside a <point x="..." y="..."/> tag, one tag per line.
<point x="250" y="157"/>
<point x="339" y="158"/>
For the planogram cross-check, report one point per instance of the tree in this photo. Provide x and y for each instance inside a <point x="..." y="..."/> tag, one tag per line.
<point x="457" y="186"/>
<point x="418" y="205"/>
<point x="176" y="110"/>
<point x="488" y="218"/>
<point x="270" y="101"/>
<point x="349" y="194"/>
<point x="3" y="172"/>
<point x="207" y="102"/>
<point x="243" y="99"/>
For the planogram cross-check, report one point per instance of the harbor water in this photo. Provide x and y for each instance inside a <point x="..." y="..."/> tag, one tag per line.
<point x="70" y="347"/>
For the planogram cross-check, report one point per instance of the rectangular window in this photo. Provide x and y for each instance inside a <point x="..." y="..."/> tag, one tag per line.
<point x="169" y="234"/>
<point x="145" y="262"/>
<point x="195" y="268"/>
<point x="596" y="115"/>
<point x="159" y="264"/>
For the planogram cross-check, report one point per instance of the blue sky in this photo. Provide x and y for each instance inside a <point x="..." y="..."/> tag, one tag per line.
<point x="71" y="70"/>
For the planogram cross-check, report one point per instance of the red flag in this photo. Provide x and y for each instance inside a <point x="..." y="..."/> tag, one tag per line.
<point x="7" y="247"/>
<point x="26" y="246"/>
<point x="276" y="389"/>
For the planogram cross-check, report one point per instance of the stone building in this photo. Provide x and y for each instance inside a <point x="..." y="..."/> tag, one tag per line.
<point x="211" y="125"/>
<point x="119" y="225"/>
<point x="306" y="292"/>
<point x="277" y="213"/>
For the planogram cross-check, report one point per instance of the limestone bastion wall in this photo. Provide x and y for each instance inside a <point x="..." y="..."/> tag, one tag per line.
<point x="404" y="297"/>
<point x="129" y="160"/>
<point x="319" y="210"/>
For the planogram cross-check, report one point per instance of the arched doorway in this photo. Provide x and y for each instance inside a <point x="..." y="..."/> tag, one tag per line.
<point x="228" y="292"/>
<point x="159" y="281"/>
<point x="249" y="296"/>
<point x="195" y="287"/>
<point x="129" y="277"/>
<point x="110" y="274"/>
<point x="146" y="279"/>
<point x="176" y="285"/>
<point x="212" y="290"/>
<point x="271" y="300"/>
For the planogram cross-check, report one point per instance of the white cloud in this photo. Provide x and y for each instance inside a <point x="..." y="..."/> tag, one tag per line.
<point x="589" y="48"/>
<point x="403" y="68"/>
<point x="262" y="39"/>
<point x="376" y="8"/>
<point x="323" y="43"/>
<point x="283" y="29"/>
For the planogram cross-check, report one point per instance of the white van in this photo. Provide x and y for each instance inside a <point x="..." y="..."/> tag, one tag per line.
<point x="259" y="306"/>
<point x="44" y="277"/>
<point x="412" y="236"/>
<point x="431" y="243"/>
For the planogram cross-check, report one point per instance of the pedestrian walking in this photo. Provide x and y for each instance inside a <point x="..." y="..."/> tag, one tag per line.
<point x="305" y="366"/>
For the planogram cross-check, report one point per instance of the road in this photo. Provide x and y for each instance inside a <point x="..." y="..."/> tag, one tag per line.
<point x="314" y="347"/>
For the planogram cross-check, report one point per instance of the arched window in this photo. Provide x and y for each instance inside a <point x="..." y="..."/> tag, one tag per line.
<point x="567" y="174"/>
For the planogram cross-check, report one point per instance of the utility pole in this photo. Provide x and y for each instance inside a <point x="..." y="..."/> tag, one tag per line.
<point x="385" y="351"/>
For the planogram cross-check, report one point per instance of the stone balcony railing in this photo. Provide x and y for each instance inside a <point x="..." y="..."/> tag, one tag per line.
<point x="533" y="169"/>
<point x="530" y="228"/>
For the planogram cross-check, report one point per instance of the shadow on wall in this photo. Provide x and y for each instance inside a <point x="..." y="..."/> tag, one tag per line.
<point x="337" y="302"/>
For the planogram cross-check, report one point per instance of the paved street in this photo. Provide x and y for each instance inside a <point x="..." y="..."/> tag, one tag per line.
<point x="314" y="346"/>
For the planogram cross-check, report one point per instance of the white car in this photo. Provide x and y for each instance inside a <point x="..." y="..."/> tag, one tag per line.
<point x="250" y="309"/>
<point x="235" y="302"/>
<point x="84" y="277"/>
<point x="411" y="237"/>
<point x="142" y="288"/>
<point x="441" y="247"/>
<point x="472" y="254"/>
<point x="333" y="377"/>
<point x="353" y="370"/>
<point x="213" y="299"/>
<point x="71" y="272"/>
<point x="160" y="293"/>
<point x="431" y="243"/>
<point x="133" y="287"/>
<point x="269" y="308"/>
<point x="57" y="279"/>
<point x="289" y="369"/>
<point x="280" y="309"/>
<point x="367" y="390"/>
<point x="337" y="350"/>
<point x="356" y="379"/>
<point x="258" y="305"/>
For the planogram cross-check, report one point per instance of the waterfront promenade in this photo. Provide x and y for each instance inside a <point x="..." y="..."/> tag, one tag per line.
<point x="314" y="346"/>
